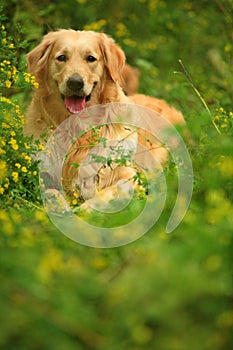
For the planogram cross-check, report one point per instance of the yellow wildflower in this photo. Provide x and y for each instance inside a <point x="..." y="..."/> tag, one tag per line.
<point x="27" y="77"/>
<point x="15" y="176"/>
<point x="2" y="141"/>
<point x="4" y="41"/>
<point x="23" y="154"/>
<point x="12" y="141"/>
<point x="121" y="30"/>
<point x="8" y="228"/>
<point x="15" y="146"/>
<point x="34" y="83"/>
<point x="16" y="217"/>
<point x="24" y="169"/>
<point x="5" y="125"/>
<point x="18" y="165"/>
<point x="34" y="172"/>
<point x="22" y="119"/>
<point x="26" y="146"/>
<point x="5" y="99"/>
<point x="99" y="262"/>
<point x="11" y="46"/>
<point x="1" y="190"/>
<point x="8" y="84"/>
<point x="3" y="167"/>
<point x="97" y="26"/>
<point x="28" y="158"/>
<point x="51" y="263"/>
<point x="130" y="42"/>
<point x="226" y="167"/>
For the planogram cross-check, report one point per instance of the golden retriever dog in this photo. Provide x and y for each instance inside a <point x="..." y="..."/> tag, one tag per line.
<point x="74" y="69"/>
<point x="77" y="69"/>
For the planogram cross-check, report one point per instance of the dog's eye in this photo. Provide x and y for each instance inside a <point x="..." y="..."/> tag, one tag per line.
<point x="62" y="58"/>
<point x="91" y="58"/>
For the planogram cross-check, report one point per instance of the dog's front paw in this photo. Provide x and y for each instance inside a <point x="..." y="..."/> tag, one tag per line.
<point x="111" y="198"/>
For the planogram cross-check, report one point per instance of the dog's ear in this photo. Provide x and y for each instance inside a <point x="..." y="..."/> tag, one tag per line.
<point x="38" y="57"/>
<point x="114" y="57"/>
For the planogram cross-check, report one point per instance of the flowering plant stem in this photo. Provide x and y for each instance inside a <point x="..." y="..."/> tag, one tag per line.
<point x="198" y="94"/>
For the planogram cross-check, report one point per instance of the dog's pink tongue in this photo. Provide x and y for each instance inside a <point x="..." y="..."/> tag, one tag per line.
<point x="74" y="105"/>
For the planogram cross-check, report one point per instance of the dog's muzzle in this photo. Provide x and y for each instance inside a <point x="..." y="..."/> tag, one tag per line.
<point x="76" y="100"/>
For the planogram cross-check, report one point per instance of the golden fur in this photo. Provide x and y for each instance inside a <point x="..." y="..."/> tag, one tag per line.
<point x="77" y="69"/>
<point x="130" y="80"/>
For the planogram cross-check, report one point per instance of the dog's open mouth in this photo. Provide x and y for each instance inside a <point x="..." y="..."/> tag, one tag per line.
<point x="75" y="104"/>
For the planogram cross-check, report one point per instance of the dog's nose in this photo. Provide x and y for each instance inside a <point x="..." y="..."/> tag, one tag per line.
<point x="75" y="83"/>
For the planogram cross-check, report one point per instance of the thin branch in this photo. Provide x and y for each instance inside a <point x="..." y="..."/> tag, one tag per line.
<point x="30" y="204"/>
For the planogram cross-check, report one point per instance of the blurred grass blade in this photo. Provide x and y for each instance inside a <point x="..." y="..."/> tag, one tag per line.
<point x="198" y="94"/>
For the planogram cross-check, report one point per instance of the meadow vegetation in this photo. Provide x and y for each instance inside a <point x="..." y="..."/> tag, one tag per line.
<point x="164" y="291"/>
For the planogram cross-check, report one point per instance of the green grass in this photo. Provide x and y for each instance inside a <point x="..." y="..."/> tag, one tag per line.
<point x="163" y="291"/>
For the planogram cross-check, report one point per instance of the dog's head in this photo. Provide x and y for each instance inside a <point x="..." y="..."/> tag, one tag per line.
<point x="72" y="63"/>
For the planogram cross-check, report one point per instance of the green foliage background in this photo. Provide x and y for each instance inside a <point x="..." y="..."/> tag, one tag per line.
<point x="171" y="292"/>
